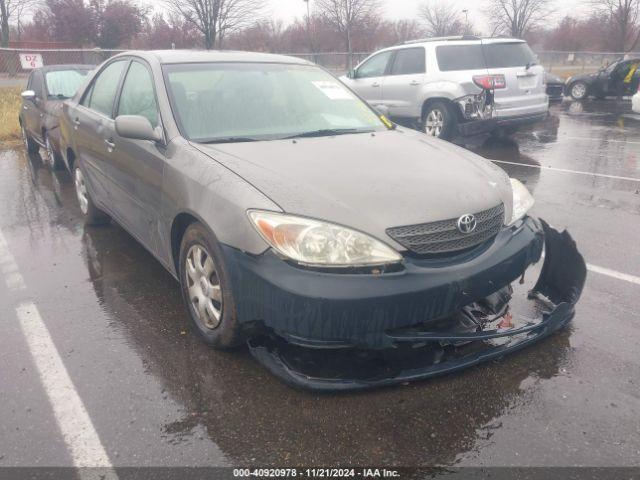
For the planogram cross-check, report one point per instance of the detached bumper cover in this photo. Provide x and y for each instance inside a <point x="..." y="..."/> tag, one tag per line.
<point x="409" y="354"/>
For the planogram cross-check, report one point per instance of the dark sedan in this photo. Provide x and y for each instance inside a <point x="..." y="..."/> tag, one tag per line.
<point x="47" y="88"/>
<point x="620" y="78"/>
<point x="301" y="221"/>
<point x="555" y="87"/>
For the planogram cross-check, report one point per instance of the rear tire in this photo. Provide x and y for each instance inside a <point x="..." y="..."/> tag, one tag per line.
<point x="53" y="159"/>
<point x="206" y="289"/>
<point x="578" y="90"/>
<point x="92" y="214"/>
<point x="439" y="121"/>
<point x="29" y="144"/>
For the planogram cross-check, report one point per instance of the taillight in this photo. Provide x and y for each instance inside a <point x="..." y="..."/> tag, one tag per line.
<point x="490" y="82"/>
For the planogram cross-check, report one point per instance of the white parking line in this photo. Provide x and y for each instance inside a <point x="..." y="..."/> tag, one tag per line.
<point x="9" y="267"/>
<point x="613" y="274"/>
<point x="71" y="415"/>
<point x="566" y="170"/>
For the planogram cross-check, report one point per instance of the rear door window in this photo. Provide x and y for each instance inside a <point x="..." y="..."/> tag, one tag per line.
<point x="375" y="66"/>
<point x="460" y="57"/>
<point x="506" y="55"/>
<point x="409" y="61"/>
<point x="105" y="88"/>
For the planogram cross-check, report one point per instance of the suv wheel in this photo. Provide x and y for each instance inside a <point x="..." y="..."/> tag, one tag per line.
<point x="206" y="289"/>
<point x="29" y="144"/>
<point x="438" y="121"/>
<point x="92" y="214"/>
<point x="578" y="90"/>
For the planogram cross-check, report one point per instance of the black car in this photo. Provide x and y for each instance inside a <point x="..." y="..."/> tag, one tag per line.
<point x="619" y="78"/>
<point x="555" y="87"/>
<point x="47" y="88"/>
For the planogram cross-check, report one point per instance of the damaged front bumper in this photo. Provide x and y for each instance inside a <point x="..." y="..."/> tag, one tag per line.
<point x="330" y="332"/>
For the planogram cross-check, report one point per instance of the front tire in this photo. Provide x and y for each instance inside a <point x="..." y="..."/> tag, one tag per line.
<point x="92" y="214"/>
<point x="439" y="121"/>
<point x="206" y="289"/>
<point x="578" y="90"/>
<point x="29" y="144"/>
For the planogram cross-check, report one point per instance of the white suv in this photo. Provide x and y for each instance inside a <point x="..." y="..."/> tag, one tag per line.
<point x="450" y="85"/>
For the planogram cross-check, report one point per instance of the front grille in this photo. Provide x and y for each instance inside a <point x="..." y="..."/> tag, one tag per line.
<point x="443" y="237"/>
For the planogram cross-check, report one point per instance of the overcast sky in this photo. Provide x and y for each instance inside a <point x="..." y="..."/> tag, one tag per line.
<point x="288" y="10"/>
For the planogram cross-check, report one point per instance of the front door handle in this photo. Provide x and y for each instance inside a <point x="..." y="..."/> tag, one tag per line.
<point x="110" y="145"/>
<point x="415" y="83"/>
<point x="375" y="84"/>
<point x="76" y="123"/>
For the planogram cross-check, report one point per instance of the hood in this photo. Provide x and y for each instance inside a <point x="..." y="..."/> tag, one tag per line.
<point x="369" y="182"/>
<point x="588" y="77"/>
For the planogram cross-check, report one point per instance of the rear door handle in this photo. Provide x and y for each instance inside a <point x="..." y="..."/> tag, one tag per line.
<point x="110" y="145"/>
<point x="76" y="123"/>
<point x="375" y="84"/>
<point x="415" y="83"/>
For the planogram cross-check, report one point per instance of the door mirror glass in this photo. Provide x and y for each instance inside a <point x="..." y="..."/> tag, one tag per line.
<point x="136" y="127"/>
<point x="28" y="95"/>
<point x="382" y="110"/>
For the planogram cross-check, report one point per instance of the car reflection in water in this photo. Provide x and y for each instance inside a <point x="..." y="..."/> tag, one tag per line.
<point x="252" y="417"/>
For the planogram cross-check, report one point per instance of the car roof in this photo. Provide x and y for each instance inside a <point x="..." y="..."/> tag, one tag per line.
<point x="465" y="39"/>
<point x="205" y="56"/>
<point x="75" y="66"/>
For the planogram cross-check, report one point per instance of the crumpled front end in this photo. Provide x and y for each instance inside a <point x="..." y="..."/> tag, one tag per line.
<point x="469" y="315"/>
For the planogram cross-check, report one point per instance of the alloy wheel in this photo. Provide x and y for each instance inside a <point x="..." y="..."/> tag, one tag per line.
<point x="81" y="191"/>
<point x="25" y="139"/>
<point x="203" y="285"/>
<point x="434" y="123"/>
<point x="50" y="154"/>
<point x="579" y="90"/>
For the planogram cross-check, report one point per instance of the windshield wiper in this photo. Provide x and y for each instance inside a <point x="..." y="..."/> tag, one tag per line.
<point x="328" y="132"/>
<point x="230" y="140"/>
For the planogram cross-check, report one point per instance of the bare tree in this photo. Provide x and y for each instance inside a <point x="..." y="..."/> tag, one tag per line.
<point x="347" y="14"/>
<point x="441" y="19"/>
<point x="217" y="18"/>
<point x="10" y="10"/>
<point x="621" y="23"/>
<point x="516" y="17"/>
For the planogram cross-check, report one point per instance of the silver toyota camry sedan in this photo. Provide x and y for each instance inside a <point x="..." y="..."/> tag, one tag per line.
<point x="345" y="251"/>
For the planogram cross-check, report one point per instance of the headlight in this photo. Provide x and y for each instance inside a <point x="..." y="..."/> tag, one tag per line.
<point x="522" y="200"/>
<point x="313" y="242"/>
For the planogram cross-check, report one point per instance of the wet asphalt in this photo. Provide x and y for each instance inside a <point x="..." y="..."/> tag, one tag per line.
<point x="157" y="396"/>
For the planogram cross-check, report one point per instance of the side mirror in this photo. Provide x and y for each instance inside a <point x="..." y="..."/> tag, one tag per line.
<point x="28" y="95"/>
<point x="382" y="110"/>
<point x="136" y="127"/>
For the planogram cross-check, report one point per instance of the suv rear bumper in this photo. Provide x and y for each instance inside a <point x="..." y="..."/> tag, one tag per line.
<point x="477" y="127"/>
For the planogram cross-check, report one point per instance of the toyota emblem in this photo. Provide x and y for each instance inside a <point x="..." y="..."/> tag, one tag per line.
<point x="467" y="223"/>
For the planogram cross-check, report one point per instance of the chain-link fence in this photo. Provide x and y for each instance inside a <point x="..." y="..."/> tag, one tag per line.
<point x="565" y="64"/>
<point x="15" y="64"/>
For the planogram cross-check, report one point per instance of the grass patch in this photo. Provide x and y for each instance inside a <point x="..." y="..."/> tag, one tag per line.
<point x="10" y="102"/>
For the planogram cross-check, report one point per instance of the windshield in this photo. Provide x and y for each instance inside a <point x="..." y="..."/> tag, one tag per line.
<point x="220" y="102"/>
<point x="64" y="83"/>
<point x="486" y="55"/>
